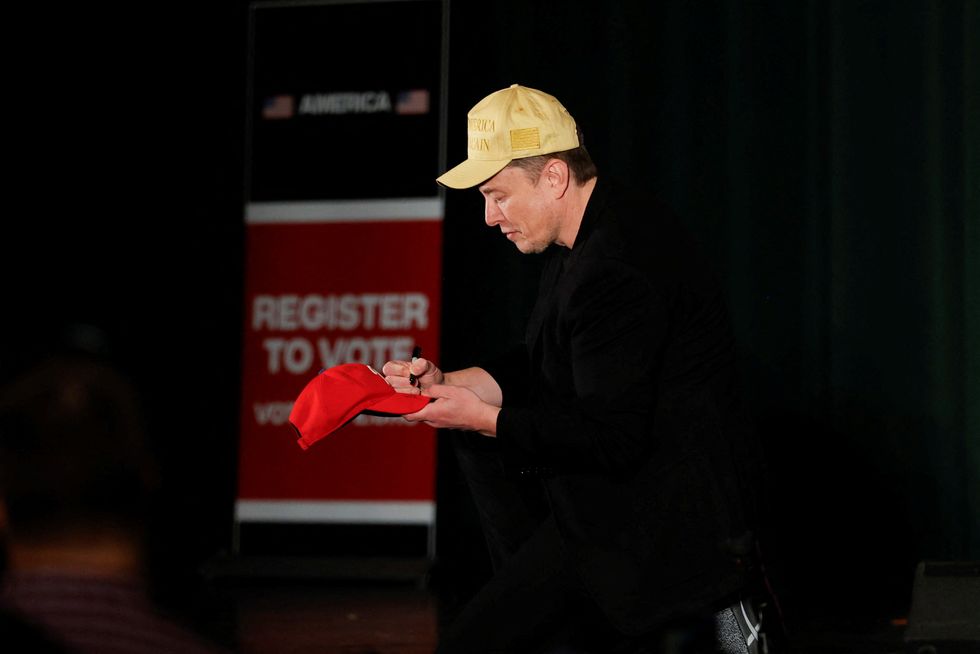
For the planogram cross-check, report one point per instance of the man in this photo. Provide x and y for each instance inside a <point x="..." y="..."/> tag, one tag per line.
<point x="616" y="486"/>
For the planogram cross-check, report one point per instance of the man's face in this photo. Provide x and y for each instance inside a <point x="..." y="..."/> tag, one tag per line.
<point x="524" y="210"/>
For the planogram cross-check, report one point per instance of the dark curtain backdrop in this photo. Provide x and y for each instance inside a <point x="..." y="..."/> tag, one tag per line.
<point x="826" y="153"/>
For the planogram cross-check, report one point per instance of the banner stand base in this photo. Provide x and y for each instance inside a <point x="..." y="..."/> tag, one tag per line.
<point x="241" y="568"/>
<point x="326" y="552"/>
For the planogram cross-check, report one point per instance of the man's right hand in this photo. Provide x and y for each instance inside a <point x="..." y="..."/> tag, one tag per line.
<point x="396" y="374"/>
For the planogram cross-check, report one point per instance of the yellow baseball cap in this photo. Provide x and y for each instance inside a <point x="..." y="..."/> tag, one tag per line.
<point x="509" y="124"/>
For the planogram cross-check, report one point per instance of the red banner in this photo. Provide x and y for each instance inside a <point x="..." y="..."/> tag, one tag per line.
<point x="319" y="294"/>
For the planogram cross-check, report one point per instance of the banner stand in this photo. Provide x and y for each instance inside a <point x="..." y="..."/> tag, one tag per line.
<point x="343" y="264"/>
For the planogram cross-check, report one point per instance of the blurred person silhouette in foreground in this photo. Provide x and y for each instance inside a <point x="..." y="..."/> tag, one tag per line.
<point x="76" y="477"/>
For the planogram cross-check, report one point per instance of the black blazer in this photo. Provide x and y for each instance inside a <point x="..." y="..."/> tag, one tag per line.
<point x="625" y="401"/>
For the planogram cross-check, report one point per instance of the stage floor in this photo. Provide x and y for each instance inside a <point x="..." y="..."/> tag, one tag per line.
<point x="402" y="618"/>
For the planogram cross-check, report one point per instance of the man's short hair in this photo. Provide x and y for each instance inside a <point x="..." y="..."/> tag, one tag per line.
<point x="578" y="160"/>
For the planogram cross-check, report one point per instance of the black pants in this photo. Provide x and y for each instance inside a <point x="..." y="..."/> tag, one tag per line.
<point x="536" y="601"/>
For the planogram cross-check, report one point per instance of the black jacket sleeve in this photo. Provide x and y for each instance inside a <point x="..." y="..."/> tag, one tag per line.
<point x="511" y="372"/>
<point x="595" y="412"/>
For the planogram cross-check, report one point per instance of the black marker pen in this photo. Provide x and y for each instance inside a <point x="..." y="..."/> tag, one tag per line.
<point x="416" y="353"/>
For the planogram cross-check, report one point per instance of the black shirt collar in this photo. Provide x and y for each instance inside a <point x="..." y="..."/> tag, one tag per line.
<point x="591" y="218"/>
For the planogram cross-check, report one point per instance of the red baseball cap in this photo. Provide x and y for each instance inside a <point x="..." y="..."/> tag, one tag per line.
<point x="338" y="394"/>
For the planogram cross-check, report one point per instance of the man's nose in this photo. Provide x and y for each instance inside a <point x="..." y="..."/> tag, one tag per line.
<point x="491" y="213"/>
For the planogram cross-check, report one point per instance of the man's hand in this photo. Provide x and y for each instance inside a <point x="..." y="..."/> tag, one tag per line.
<point x="457" y="408"/>
<point x="467" y="399"/>
<point x="396" y="374"/>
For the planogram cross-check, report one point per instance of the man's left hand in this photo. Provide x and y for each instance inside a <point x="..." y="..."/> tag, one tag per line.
<point x="457" y="407"/>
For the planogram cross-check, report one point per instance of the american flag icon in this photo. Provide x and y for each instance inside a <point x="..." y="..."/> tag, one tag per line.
<point x="278" y="107"/>
<point x="412" y="102"/>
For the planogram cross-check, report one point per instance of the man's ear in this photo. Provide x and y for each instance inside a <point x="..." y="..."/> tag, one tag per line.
<point x="557" y="175"/>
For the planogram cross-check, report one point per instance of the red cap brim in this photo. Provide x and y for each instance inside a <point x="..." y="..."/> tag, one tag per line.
<point x="400" y="403"/>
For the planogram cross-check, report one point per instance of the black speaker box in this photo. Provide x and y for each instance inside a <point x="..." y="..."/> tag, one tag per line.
<point x="945" y="613"/>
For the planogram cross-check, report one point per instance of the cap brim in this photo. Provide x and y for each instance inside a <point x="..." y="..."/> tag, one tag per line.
<point x="400" y="403"/>
<point x="470" y="173"/>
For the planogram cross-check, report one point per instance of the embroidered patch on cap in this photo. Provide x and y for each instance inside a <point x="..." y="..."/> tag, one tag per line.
<point x="525" y="139"/>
